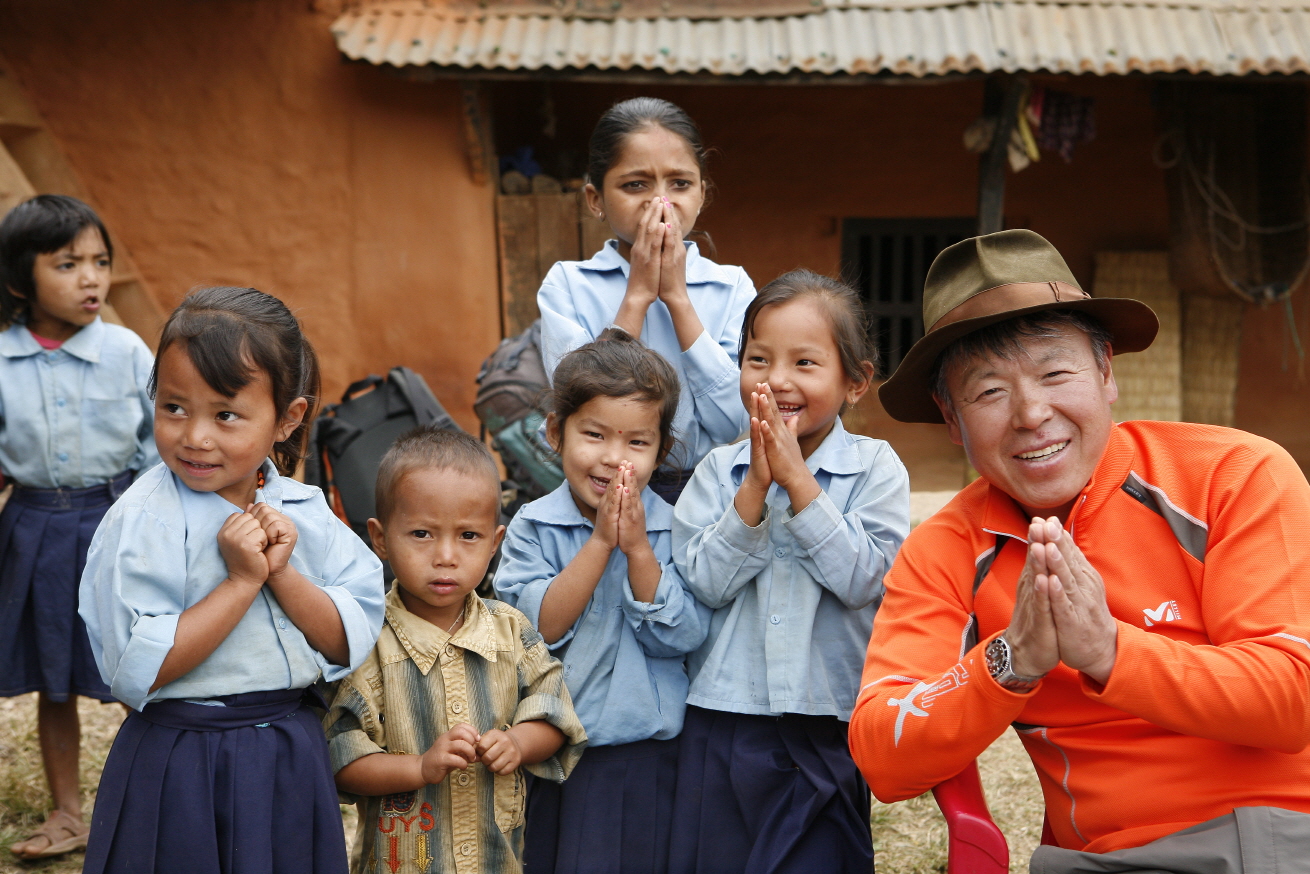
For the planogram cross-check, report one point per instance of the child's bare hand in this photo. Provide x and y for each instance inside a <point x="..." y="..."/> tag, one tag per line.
<point x="786" y="462"/>
<point x="456" y="749"/>
<point x="645" y="257"/>
<point x="282" y="536"/>
<point x="607" y="512"/>
<point x="632" y="513"/>
<point x="241" y="542"/>
<point x="500" y="752"/>
<point x="759" y="475"/>
<point x="673" y="257"/>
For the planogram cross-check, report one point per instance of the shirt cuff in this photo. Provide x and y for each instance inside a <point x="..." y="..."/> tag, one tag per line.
<point x="706" y="365"/>
<point x="554" y="711"/>
<point x="741" y="536"/>
<point x="655" y="611"/>
<point x="815" y="524"/>
<point x="360" y="636"/>
<point x="152" y="640"/>
<point x="350" y="746"/>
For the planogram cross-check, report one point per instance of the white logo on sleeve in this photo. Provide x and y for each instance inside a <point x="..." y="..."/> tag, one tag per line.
<point x="1166" y="612"/>
<point x="953" y="679"/>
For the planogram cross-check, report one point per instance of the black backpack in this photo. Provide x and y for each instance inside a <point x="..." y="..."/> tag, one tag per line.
<point x="348" y="439"/>
<point x="511" y="384"/>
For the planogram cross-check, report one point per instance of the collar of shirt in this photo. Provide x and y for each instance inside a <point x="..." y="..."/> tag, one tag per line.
<point x="837" y="454"/>
<point x="559" y="508"/>
<point x="699" y="270"/>
<point x="18" y="342"/>
<point x="425" y="642"/>
<point x="277" y="490"/>
<point x="1003" y="515"/>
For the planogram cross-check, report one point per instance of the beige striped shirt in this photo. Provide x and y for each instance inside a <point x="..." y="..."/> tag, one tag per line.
<point x="418" y="683"/>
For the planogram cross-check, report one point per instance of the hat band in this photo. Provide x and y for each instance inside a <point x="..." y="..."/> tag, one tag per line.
<point x="1014" y="296"/>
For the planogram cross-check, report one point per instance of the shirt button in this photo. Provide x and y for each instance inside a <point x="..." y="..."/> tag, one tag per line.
<point x="281" y="623"/>
<point x="466" y="848"/>
<point x="457" y="707"/>
<point x="450" y="651"/>
<point x="775" y="619"/>
<point x="780" y="552"/>
<point x="63" y="456"/>
<point x="462" y="779"/>
<point x="59" y="403"/>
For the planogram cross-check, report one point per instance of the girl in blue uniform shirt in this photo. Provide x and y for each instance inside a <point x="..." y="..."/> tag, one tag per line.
<point x="646" y="179"/>
<point x="591" y="566"/>
<point x="216" y="591"/>
<point x="787" y="538"/>
<point x="75" y="425"/>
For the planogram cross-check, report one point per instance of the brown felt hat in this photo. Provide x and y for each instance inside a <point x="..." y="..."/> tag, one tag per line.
<point x="988" y="279"/>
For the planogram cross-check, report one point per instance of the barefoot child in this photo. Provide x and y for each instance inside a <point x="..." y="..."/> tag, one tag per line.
<point x="216" y="591"/>
<point x="592" y="564"/>
<point x="75" y="427"/>
<point x="787" y="537"/>
<point x="460" y="695"/>
<point x="646" y="179"/>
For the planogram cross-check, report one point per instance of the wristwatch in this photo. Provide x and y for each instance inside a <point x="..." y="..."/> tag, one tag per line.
<point x="999" y="666"/>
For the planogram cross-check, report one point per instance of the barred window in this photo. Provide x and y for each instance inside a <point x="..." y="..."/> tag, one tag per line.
<point x="886" y="260"/>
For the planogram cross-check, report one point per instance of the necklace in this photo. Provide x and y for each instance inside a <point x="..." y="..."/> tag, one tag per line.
<point x="458" y="619"/>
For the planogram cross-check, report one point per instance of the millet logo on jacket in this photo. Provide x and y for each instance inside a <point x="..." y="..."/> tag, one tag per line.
<point x="1166" y="612"/>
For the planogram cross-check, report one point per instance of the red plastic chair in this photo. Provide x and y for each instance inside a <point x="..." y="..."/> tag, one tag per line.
<point x="974" y="844"/>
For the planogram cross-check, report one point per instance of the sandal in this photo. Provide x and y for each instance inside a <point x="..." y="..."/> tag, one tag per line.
<point x="62" y="833"/>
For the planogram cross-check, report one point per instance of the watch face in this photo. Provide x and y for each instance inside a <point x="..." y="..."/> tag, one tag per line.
<point x="998" y="657"/>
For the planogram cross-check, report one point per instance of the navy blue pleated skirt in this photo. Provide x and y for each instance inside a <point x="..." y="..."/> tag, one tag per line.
<point x="768" y="795"/>
<point x="197" y="789"/>
<point x="44" y="536"/>
<point x="611" y="816"/>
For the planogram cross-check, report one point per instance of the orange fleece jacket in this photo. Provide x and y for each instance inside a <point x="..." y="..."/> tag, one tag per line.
<point x="1202" y="535"/>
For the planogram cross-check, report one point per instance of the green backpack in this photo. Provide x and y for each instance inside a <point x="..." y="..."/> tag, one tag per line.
<point x="511" y="385"/>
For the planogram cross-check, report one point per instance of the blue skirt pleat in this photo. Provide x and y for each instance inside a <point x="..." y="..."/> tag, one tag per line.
<point x="612" y="815"/>
<point x="768" y="795"/>
<point x="43" y="642"/>
<point x="242" y="789"/>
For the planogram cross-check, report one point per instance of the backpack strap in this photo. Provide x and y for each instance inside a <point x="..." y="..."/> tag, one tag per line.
<point x="427" y="409"/>
<point x="970" y="637"/>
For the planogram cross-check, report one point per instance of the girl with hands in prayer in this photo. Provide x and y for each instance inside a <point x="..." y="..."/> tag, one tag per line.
<point x="646" y="179"/>
<point x="786" y="538"/>
<point x="212" y="621"/>
<point x="591" y="565"/>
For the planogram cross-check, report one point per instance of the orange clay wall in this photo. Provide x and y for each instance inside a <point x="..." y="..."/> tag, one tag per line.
<point x="226" y="142"/>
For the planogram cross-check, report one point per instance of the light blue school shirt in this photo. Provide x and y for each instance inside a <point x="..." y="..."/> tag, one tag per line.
<point x="793" y="597"/>
<point x="156" y="554"/>
<point x="579" y="299"/>
<point x="623" y="658"/>
<point x="78" y="415"/>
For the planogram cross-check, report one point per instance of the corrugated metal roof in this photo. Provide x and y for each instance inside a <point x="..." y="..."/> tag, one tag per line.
<point x="904" y="37"/>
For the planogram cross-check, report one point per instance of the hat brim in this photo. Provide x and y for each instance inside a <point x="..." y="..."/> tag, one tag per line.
<point x="907" y="395"/>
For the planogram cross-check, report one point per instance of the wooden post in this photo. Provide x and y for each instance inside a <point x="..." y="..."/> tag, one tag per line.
<point x="1000" y="101"/>
<point x="477" y="136"/>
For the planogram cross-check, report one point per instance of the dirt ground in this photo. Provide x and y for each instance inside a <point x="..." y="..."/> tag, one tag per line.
<point x="910" y="837"/>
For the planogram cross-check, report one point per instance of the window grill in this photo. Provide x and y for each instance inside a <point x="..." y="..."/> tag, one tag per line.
<point x="887" y="260"/>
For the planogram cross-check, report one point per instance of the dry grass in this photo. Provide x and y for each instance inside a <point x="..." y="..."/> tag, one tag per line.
<point x="23" y="797"/>
<point x="909" y="837"/>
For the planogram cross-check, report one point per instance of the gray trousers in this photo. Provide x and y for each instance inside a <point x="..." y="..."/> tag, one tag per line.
<point x="1250" y="840"/>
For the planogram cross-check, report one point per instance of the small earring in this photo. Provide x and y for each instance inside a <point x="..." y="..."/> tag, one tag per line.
<point x="601" y="216"/>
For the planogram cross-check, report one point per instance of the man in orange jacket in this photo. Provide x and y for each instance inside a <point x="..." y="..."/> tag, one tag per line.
<point x="1134" y="599"/>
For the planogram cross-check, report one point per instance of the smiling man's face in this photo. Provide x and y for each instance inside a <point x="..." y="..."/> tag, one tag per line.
<point x="1035" y="425"/>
